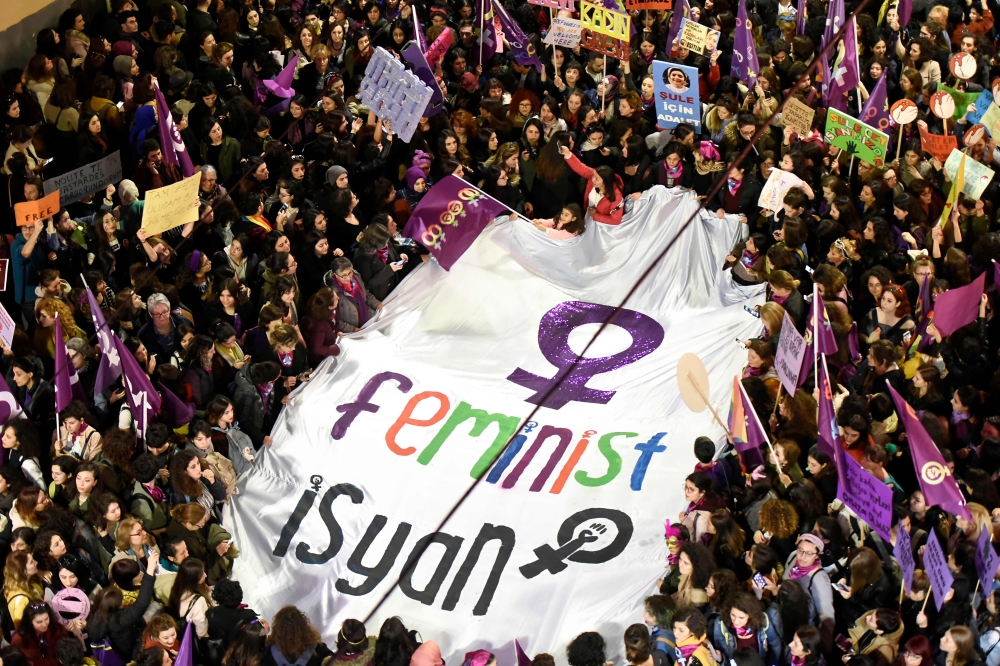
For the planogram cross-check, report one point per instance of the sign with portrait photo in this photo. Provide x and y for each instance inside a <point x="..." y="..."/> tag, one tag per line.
<point x="676" y="95"/>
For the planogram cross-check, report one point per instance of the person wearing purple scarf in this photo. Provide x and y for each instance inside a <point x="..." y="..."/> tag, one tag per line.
<point x="357" y="304"/>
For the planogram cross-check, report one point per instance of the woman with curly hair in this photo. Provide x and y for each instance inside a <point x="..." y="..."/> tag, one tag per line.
<point x="696" y="565"/>
<point x="796" y="418"/>
<point x="523" y="105"/>
<point x="394" y="645"/>
<point x="191" y="480"/>
<point x="46" y="310"/>
<point x="748" y="623"/>
<point x="293" y="638"/>
<point x="465" y="126"/>
<point x="779" y="523"/>
<point x="587" y="649"/>
<point x="21" y="584"/>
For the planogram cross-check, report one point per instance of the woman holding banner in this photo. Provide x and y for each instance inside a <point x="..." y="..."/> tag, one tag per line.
<point x="603" y="195"/>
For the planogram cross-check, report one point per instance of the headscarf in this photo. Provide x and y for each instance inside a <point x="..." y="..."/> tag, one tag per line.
<point x="477" y="658"/>
<point x="123" y="65"/>
<point x="428" y="654"/>
<point x="128" y="191"/>
<point x="413" y="174"/>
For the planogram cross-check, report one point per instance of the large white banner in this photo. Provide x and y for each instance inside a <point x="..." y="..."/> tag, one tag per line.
<point x="564" y="533"/>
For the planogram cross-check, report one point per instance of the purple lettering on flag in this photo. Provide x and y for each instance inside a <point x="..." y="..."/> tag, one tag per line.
<point x="868" y="497"/>
<point x="450" y="217"/>
<point x="903" y="551"/>
<point x="987" y="562"/>
<point x="936" y="567"/>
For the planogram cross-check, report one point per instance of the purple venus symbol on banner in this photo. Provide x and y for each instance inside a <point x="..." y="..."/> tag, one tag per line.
<point x="553" y="339"/>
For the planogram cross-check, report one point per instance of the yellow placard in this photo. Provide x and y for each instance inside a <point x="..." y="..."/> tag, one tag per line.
<point x="604" y="21"/>
<point x="171" y="206"/>
<point x="694" y="36"/>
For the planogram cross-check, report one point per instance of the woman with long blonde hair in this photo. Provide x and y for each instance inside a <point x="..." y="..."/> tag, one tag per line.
<point x="46" y="310"/>
<point x="21" y="584"/>
<point x="502" y="159"/>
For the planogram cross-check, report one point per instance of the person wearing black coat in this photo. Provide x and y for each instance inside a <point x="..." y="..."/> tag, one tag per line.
<point x="290" y="355"/>
<point x="376" y="261"/>
<point x="255" y="411"/>
<point x="739" y="192"/>
<point x="121" y="628"/>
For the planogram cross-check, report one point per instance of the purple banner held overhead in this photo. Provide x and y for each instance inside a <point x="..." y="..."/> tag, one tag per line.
<point x="936" y="567"/>
<point x="450" y="217"/>
<point x="867" y="497"/>
<point x="956" y="308"/>
<point x="788" y="357"/>
<point x="903" y="551"/>
<point x="987" y="562"/>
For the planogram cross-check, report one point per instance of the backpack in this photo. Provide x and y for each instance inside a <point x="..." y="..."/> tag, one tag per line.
<point x="223" y="470"/>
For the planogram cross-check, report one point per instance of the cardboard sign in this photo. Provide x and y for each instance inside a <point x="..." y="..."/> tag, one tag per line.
<point x="676" y="95"/>
<point x="604" y="21"/>
<point x="936" y="568"/>
<point x="798" y="117"/>
<point x="938" y="146"/>
<point x="987" y="562"/>
<point x="561" y="5"/>
<point x="775" y="189"/>
<point x="991" y="120"/>
<point x="171" y="206"/>
<point x="903" y="551"/>
<point x="29" y="212"/>
<point x="698" y="38"/>
<point x="6" y="327"/>
<point x="78" y="183"/>
<point x="788" y="357"/>
<point x="856" y="138"/>
<point x="977" y="176"/>
<point x="394" y="93"/>
<point x="867" y="497"/>
<point x="564" y="32"/>
<point x="962" y="101"/>
<point x="648" y="4"/>
<point x="609" y="46"/>
<point x="983" y="103"/>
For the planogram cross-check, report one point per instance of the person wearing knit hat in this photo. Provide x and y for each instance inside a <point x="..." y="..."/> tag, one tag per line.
<point x="422" y="160"/>
<point x="123" y="47"/>
<point x="336" y="176"/>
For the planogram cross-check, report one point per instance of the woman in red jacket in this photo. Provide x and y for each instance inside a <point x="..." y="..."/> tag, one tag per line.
<point x="38" y="633"/>
<point x="603" y="197"/>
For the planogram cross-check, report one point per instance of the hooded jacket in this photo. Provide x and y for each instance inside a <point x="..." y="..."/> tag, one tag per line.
<point x="249" y="407"/>
<point x="886" y="644"/>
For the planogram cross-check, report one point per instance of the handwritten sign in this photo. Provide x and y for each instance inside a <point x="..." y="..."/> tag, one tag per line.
<point x="698" y="38"/>
<point x="939" y="147"/>
<point x="394" y="93"/>
<point x="598" y="43"/>
<point x="775" y="189"/>
<point x="648" y="4"/>
<point x="788" y="358"/>
<point x="991" y="120"/>
<point x="936" y="567"/>
<point x="6" y="327"/>
<point x="29" y="212"/>
<point x="867" y="497"/>
<point x="604" y="21"/>
<point x="977" y="176"/>
<point x="562" y="5"/>
<point x="983" y="103"/>
<point x="987" y="562"/>
<point x="564" y="32"/>
<point x="171" y="206"/>
<point x="903" y="551"/>
<point x="676" y="95"/>
<point x="798" y="117"/>
<point x="78" y="183"/>
<point x="856" y="138"/>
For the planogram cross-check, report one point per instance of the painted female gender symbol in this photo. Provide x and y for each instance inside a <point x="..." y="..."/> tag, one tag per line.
<point x="553" y="339"/>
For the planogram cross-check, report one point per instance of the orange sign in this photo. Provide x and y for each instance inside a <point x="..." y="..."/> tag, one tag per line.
<point x="29" y="212"/>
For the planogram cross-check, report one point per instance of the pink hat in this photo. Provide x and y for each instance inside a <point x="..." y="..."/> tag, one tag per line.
<point x="477" y="658"/>
<point x="281" y="85"/>
<point x="122" y="47"/>
<point x="813" y="539"/>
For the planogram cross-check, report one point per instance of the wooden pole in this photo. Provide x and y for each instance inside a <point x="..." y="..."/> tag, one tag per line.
<point x="604" y="76"/>
<point x="929" y="588"/>
<point x="899" y="141"/>
<point x="776" y="399"/>
<point x="708" y="404"/>
<point x="902" y="593"/>
<point x="481" y="36"/>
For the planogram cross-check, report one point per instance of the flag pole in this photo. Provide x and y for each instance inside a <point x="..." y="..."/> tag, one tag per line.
<point x="482" y="37"/>
<point x="55" y="385"/>
<point x="816" y="316"/>
<point x="899" y="141"/>
<point x="708" y="404"/>
<point x="604" y="75"/>
<point x="929" y="588"/>
<point x="756" y="418"/>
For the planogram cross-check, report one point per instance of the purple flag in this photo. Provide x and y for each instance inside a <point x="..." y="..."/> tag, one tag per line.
<point x="868" y="498"/>
<point x="745" y="66"/>
<point x="61" y="381"/>
<point x="936" y="482"/>
<point x="835" y="18"/>
<point x="986" y="561"/>
<point x="845" y="74"/>
<point x="488" y="39"/>
<point x="522" y="658"/>
<point x="996" y="274"/>
<point x="171" y="144"/>
<point x="923" y="313"/>
<point x="876" y="110"/>
<point x="829" y="440"/>
<point x="936" y="568"/>
<point x="520" y="47"/>
<point x="854" y="346"/>
<point x="109" y="368"/>
<point x="681" y="11"/>
<point x="957" y="307"/>
<point x="823" y="337"/>
<point x="185" y="654"/>
<point x="418" y="33"/>
<point x="174" y="412"/>
<point x="903" y="551"/>
<point x="450" y="217"/>
<point x="904" y="8"/>
<point x="800" y="18"/>
<point x="143" y="399"/>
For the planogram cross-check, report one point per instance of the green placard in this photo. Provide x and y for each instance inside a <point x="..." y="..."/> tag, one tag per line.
<point x="962" y="100"/>
<point x="856" y="138"/>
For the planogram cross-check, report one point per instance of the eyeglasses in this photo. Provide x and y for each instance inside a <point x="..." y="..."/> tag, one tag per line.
<point x="160" y="315"/>
<point x="807" y="553"/>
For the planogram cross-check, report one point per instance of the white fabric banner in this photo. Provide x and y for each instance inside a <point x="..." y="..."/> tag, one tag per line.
<point x="565" y="533"/>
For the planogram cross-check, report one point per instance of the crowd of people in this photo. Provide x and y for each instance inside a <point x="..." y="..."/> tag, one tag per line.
<point x="114" y="549"/>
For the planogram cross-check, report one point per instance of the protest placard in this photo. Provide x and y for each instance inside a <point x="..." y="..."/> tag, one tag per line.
<point x="788" y="358"/>
<point x="962" y="100"/>
<point x="936" y="568"/>
<point x="977" y="176"/>
<point x="698" y="38"/>
<point x="609" y="46"/>
<point x="564" y="32"/>
<point x="603" y="21"/>
<point x="171" y="206"/>
<point x="991" y="120"/>
<point x="6" y="327"/>
<point x="987" y="562"/>
<point x="939" y="147"/>
<point x="856" y="138"/>
<point x="649" y="4"/>
<point x="394" y="93"/>
<point x="775" y="189"/>
<point x="567" y="5"/>
<point x="798" y="117"/>
<point x="78" y="183"/>
<point x="903" y="550"/>
<point x="676" y="95"/>
<point x="867" y="497"/>
<point x="983" y="103"/>
<point x="29" y="212"/>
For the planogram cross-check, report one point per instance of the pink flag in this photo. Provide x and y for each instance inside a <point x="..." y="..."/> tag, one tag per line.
<point x="957" y="307"/>
<point x="936" y="481"/>
<point x="171" y="144"/>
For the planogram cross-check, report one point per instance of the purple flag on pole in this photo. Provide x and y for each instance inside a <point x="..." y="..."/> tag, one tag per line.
<point x="450" y="217"/>
<point x="9" y="409"/>
<point x="522" y="658"/>
<point x="868" y="498"/>
<point x="800" y="17"/>
<point x="143" y="399"/>
<point x="174" y="412"/>
<point x="904" y="9"/>
<point x="61" y="381"/>
<point x="996" y="274"/>
<point x="745" y="66"/>
<point x="109" y="368"/>
<point x="987" y="562"/>
<point x="923" y="313"/>
<point x="681" y="11"/>
<point x="185" y="654"/>
<point x="418" y="33"/>
<point x="845" y="75"/>
<point x="829" y="440"/>
<point x="520" y="47"/>
<point x="171" y="144"/>
<point x="835" y="18"/>
<point x="488" y="39"/>
<point x="876" y="110"/>
<point x="936" y="482"/>
<point x="903" y="551"/>
<point x="823" y="337"/>
<point x="853" y="345"/>
<point x="936" y="568"/>
<point x="957" y="307"/>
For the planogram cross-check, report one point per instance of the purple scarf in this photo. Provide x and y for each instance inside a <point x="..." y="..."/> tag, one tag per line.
<point x="383" y="254"/>
<point x="357" y="296"/>
<point x="265" y="393"/>
<point x="734" y="186"/>
<point x="958" y="417"/>
<point x="780" y="300"/>
<point x="800" y="572"/>
<point x="744" y="632"/>
<point x="676" y="172"/>
<point x="749" y="258"/>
